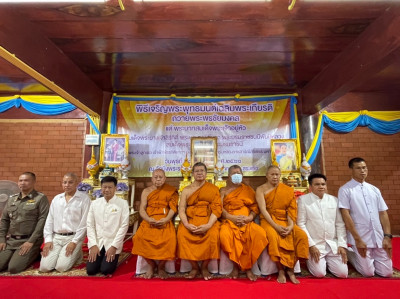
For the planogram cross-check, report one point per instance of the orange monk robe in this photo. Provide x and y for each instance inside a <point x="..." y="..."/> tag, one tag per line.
<point x="243" y="244"/>
<point x="158" y="243"/>
<point x="280" y="203"/>
<point x="200" y="205"/>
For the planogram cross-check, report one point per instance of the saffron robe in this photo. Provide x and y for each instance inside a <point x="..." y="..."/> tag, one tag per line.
<point x="242" y="244"/>
<point x="200" y="205"/>
<point x="152" y="242"/>
<point x="280" y="203"/>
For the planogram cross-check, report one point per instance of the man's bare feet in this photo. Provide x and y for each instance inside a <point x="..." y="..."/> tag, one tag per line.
<point x="235" y="272"/>
<point x="149" y="274"/>
<point x="250" y="275"/>
<point x="292" y="277"/>
<point x="162" y="274"/>
<point x="281" y="276"/>
<point x="206" y="274"/>
<point x="192" y="274"/>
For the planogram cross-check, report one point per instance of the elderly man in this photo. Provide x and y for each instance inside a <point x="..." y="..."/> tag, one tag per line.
<point x="365" y="213"/>
<point x="278" y="213"/>
<point x="23" y="219"/>
<point x="107" y="224"/>
<point x="198" y="231"/>
<point x="319" y="216"/>
<point x="241" y="238"/>
<point x="65" y="227"/>
<point x="156" y="236"/>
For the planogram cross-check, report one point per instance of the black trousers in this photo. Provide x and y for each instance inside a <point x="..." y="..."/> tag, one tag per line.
<point x="101" y="265"/>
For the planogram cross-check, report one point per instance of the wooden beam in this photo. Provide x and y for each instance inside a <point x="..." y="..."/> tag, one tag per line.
<point x="23" y="45"/>
<point x="375" y="49"/>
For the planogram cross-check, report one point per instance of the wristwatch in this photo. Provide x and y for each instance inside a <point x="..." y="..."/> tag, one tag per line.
<point x="390" y="236"/>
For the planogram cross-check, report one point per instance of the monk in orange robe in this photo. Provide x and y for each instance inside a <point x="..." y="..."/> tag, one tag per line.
<point x="156" y="237"/>
<point x="278" y="208"/>
<point x="241" y="238"/>
<point x="198" y="232"/>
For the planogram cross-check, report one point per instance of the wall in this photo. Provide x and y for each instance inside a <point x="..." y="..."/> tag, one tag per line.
<point x="47" y="147"/>
<point x="381" y="153"/>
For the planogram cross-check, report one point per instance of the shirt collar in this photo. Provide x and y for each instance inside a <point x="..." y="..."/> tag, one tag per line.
<point x="31" y="195"/>
<point x="316" y="196"/>
<point x="357" y="183"/>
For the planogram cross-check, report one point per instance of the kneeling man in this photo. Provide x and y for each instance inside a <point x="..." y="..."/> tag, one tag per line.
<point x="241" y="238"/>
<point x="156" y="236"/>
<point x="65" y="227"/>
<point x="107" y="224"/>
<point x="198" y="232"/>
<point x="319" y="216"/>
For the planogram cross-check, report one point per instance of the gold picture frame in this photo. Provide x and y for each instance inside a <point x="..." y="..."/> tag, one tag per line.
<point x="114" y="148"/>
<point x="285" y="154"/>
<point x="204" y="149"/>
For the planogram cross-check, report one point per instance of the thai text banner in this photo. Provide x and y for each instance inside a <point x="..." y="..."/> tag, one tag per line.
<point x="160" y="132"/>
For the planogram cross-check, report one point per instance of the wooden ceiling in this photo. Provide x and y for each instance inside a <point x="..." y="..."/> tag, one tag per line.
<point x="321" y="50"/>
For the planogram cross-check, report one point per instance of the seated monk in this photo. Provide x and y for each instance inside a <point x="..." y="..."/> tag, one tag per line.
<point x="198" y="231"/>
<point x="156" y="236"/>
<point x="278" y="208"/>
<point x="241" y="238"/>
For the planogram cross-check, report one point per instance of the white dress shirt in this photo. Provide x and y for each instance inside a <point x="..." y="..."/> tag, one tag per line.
<point x="107" y="223"/>
<point x="322" y="222"/>
<point x="66" y="217"/>
<point x="364" y="202"/>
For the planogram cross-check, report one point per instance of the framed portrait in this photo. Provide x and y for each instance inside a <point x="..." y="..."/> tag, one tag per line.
<point x="285" y="154"/>
<point x="204" y="149"/>
<point x="113" y="149"/>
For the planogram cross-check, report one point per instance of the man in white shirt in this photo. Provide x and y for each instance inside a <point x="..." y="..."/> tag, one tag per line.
<point x="107" y="224"/>
<point x="65" y="227"/>
<point x="319" y="216"/>
<point x="365" y="213"/>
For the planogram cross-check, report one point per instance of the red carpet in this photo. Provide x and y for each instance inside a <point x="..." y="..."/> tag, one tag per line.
<point x="122" y="286"/>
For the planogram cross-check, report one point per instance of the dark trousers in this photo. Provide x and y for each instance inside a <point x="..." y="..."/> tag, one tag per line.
<point x="101" y="265"/>
<point x="15" y="263"/>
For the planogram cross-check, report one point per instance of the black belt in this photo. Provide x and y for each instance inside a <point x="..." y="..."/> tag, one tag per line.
<point x="19" y="237"/>
<point x="65" y="234"/>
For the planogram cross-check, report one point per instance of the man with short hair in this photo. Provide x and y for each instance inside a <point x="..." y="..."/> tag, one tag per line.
<point x="156" y="237"/>
<point x="198" y="231"/>
<point x="65" y="227"/>
<point x="287" y="243"/>
<point x="241" y="238"/>
<point x="23" y="219"/>
<point x="368" y="227"/>
<point x="319" y="216"/>
<point x="107" y="224"/>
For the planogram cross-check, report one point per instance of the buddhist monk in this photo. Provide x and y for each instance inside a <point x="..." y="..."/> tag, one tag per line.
<point x="278" y="212"/>
<point x="241" y="238"/>
<point x="198" y="231"/>
<point x="156" y="236"/>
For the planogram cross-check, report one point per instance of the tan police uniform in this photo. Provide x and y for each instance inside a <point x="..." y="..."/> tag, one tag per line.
<point x="22" y="221"/>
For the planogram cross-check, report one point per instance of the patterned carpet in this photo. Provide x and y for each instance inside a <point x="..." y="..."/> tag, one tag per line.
<point x="78" y="270"/>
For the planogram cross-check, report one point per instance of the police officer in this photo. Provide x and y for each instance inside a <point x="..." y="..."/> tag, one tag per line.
<point x="22" y="221"/>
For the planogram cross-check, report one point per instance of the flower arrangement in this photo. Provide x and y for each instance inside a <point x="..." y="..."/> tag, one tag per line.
<point x="97" y="193"/>
<point x="85" y="187"/>
<point x="298" y="193"/>
<point x="122" y="187"/>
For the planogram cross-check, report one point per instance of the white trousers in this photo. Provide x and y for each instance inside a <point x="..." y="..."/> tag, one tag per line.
<point x="263" y="266"/>
<point x="142" y="266"/>
<point x="376" y="261"/>
<point x="334" y="262"/>
<point x="56" y="259"/>
<point x="268" y="266"/>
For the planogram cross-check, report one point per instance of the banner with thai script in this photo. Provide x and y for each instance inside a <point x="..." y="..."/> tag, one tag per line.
<point x="160" y="132"/>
